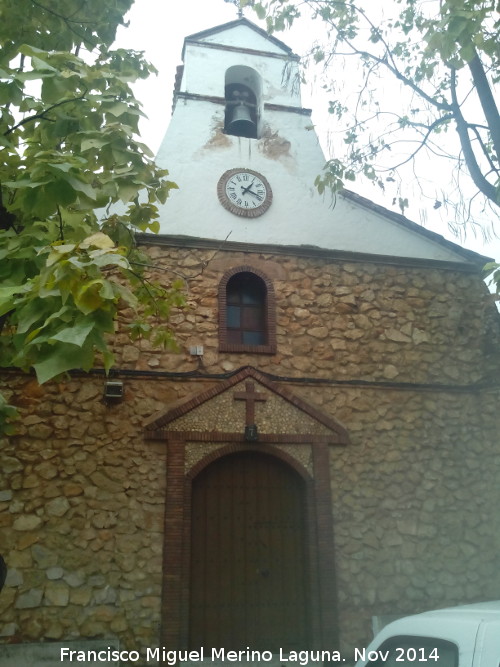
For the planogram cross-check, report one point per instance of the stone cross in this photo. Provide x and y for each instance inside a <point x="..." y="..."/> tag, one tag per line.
<point x="236" y="3"/>
<point x="250" y="396"/>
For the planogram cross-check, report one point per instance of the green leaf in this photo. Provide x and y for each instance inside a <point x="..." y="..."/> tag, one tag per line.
<point x="93" y="142"/>
<point x="110" y="259"/>
<point x="76" y="150"/>
<point x="259" y="10"/>
<point x="75" y="335"/>
<point x="467" y="52"/>
<point x="7" y="291"/>
<point x="44" y="313"/>
<point x="97" y="240"/>
<point x="61" y="359"/>
<point x="154" y="226"/>
<point x="60" y="192"/>
<point x="8" y="416"/>
<point x="128" y="191"/>
<point x="25" y="183"/>
<point x="117" y="109"/>
<point x="81" y="186"/>
<point x="57" y="251"/>
<point x="6" y="305"/>
<point x="88" y="297"/>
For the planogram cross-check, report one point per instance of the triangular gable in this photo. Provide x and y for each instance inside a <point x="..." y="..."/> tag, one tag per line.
<point x="243" y="34"/>
<point x="217" y="410"/>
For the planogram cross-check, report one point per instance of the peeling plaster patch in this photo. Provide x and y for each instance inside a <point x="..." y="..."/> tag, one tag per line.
<point x="273" y="146"/>
<point x="218" y="139"/>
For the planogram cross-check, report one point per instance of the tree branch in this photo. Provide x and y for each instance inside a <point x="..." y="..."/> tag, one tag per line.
<point x="61" y="16"/>
<point x="423" y="142"/>
<point x="7" y="219"/>
<point x="42" y="114"/>
<point x="487" y="100"/>
<point x="61" y="224"/>
<point x="67" y="21"/>
<point x="470" y="159"/>
<point x="484" y="148"/>
<point x="391" y="66"/>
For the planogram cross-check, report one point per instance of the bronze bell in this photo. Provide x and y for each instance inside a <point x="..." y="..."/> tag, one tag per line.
<point x="241" y="123"/>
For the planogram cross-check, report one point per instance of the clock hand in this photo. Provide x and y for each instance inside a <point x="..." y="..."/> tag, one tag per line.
<point x="255" y="194"/>
<point x="245" y="190"/>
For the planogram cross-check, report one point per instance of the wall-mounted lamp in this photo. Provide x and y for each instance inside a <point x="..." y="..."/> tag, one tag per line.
<point x="251" y="433"/>
<point x="113" y="391"/>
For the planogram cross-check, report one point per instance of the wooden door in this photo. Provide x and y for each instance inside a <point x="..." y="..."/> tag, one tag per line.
<point x="248" y="556"/>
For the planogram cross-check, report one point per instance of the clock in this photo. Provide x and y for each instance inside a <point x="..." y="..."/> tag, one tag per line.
<point x="244" y="192"/>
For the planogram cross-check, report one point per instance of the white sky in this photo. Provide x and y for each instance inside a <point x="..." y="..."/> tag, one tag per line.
<point x="158" y="27"/>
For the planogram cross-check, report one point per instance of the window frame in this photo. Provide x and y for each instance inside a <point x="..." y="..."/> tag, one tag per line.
<point x="269" y="314"/>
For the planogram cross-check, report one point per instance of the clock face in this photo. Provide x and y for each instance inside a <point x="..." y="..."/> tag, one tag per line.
<point x="244" y="192"/>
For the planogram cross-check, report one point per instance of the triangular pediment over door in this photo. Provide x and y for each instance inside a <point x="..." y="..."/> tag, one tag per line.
<point x="248" y="543"/>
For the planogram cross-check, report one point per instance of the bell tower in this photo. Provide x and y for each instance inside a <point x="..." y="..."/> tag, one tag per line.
<point x="235" y="143"/>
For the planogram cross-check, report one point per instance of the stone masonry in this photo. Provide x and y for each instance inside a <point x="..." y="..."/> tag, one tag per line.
<point x="403" y="356"/>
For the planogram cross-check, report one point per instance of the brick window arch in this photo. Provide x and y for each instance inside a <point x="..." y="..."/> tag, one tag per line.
<point x="247" y="318"/>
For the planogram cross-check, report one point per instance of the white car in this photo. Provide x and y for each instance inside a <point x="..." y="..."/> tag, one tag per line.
<point x="466" y="636"/>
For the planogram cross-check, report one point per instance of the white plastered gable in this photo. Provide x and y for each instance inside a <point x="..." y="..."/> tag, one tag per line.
<point x="241" y="35"/>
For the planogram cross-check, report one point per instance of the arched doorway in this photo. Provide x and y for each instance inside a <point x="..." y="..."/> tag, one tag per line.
<point x="249" y="573"/>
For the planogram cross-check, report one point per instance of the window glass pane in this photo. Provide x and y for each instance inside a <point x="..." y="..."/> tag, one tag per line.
<point x="253" y="338"/>
<point x="246" y="310"/>
<point x="251" y="294"/>
<point x="252" y="317"/>
<point x="233" y="316"/>
<point x="234" y="336"/>
<point x="246" y="288"/>
<point x="233" y="294"/>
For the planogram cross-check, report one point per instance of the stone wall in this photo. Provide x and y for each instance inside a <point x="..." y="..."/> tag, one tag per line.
<point x="335" y="319"/>
<point x="81" y="512"/>
<point x="82" y="501"/>
<point x="415" y="493"/>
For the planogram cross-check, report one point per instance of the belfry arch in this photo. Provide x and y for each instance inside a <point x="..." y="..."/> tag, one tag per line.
<point x="243" y="102"/>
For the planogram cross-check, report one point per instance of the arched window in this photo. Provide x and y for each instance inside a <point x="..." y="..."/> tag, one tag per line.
<point x="243" y="102"/>
<point x="246" y="312"/>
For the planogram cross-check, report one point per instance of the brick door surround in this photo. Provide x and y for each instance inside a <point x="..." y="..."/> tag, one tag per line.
<point x="190" y="449"/>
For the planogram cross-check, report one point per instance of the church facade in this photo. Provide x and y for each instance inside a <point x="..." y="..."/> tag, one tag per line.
<point x="322" y="452"/>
